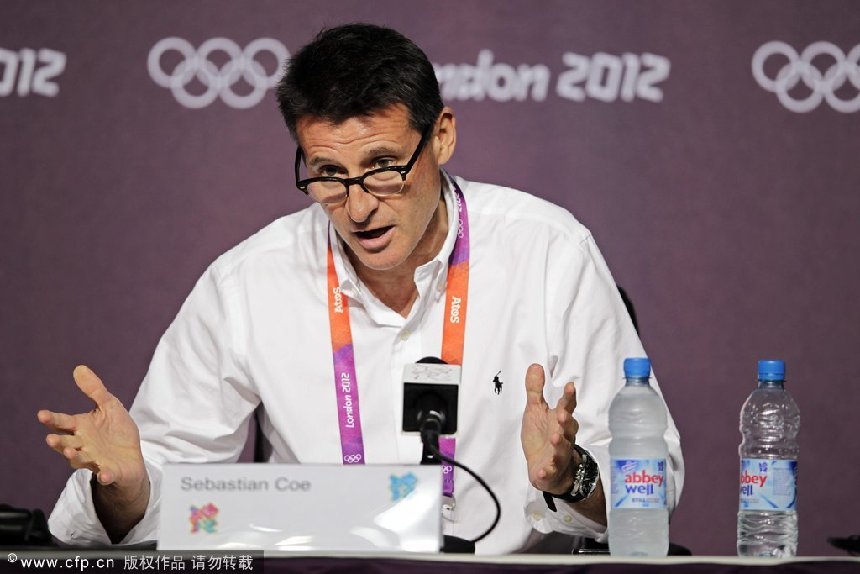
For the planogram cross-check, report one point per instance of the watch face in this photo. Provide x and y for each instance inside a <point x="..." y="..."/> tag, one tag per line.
<point x="579" y="479"/>
<point x="586" y="475"/>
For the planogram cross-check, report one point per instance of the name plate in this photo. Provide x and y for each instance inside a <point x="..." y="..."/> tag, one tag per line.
<point x="301" y="507"/>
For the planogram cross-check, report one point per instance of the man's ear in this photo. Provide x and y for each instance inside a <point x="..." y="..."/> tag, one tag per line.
<point x="444" y="138"/>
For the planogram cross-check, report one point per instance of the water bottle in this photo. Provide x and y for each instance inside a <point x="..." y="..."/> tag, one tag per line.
<point x="770" y="419"/>
<point x="639" y="517"/>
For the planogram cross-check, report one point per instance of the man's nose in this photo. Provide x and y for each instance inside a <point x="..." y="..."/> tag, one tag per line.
<point x="360" y="203"/>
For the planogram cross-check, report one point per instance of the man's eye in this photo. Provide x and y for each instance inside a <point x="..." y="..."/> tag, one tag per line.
<point x="329" y="171"/>
<point x="384" y="162"/>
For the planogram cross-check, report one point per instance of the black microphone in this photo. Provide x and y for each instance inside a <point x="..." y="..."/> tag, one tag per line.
<point x="430" y="403"/>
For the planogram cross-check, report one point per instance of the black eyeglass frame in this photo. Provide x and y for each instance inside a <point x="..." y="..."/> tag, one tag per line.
<point x="348" y="182"/>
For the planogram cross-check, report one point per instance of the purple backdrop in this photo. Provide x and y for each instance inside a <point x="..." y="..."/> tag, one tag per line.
<point x="724" y="201"/>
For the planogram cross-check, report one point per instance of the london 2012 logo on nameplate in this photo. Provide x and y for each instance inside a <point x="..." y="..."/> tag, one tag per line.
<point x="204" y="519"/>
<point x="402" y="486"/>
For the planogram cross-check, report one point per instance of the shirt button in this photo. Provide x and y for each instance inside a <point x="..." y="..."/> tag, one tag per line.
<point x="405" y="334"/>
<point x="567" y="518"/>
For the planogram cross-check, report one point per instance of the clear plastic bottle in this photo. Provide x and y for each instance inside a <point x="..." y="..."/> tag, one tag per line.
<point x="770" y="420"/>
<point x="638" y="518"/>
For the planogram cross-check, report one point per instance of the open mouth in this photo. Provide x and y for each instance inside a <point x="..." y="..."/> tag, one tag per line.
<point x="375" y="240"/>
<point x="373" y="233"/>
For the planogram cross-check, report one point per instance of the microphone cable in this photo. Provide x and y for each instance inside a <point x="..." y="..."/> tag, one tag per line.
<point x="430" y="438"/>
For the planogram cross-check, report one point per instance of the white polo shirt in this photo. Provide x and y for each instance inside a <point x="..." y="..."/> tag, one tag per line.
<point x="255" y="329"/>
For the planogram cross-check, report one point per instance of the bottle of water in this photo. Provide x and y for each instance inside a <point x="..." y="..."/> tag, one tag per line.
<point x="770" y="419"/>
<point x="638" y="518"/>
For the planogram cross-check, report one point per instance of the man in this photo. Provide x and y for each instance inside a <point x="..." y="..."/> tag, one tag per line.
<point x="395" y="261"/>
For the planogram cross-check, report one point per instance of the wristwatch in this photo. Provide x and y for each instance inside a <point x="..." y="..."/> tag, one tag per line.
<point x="584" y="482"/>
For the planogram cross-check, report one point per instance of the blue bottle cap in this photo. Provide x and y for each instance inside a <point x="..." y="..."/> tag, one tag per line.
<point x="771" y="370"/>
<point x="637" y="368"/>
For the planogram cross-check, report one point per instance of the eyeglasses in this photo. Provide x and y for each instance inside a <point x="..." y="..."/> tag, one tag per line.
<point x="380" y="182"/>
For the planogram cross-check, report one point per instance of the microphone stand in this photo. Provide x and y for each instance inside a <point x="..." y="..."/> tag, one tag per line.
<point x="431" y="426"/>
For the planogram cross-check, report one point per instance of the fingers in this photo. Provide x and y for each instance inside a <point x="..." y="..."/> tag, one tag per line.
<point x="105" y="477"/>
<point x="553" y="471"/>
<point x="567" y="402"/>
<point x="79" y="459"/>
<point x="534" y="385"/>
<point x="91" y="385"/>
<point x="569" y="427"/>
<point x="71" y="448"/>
<point x="564" y="413"/>
<point x="57" y="422"/>
<point x="62" y="442"/>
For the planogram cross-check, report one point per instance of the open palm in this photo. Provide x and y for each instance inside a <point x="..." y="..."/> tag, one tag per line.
<point x="548" y="433"/>
<point x="105" y="440"/>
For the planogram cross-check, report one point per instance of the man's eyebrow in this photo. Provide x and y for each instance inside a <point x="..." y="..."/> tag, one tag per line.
<point x="380" y="150"/>
<point x="321" y="160"/>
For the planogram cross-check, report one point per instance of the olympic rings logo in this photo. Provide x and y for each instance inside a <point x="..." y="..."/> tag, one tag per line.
<point x="352" y="458"/>
<point x="218" y="81"/>
<point x="799" y="67"/>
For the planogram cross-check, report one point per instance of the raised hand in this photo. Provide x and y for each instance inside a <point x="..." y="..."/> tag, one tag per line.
<point x="105" y="440"/>
<point x="548" y="435"/>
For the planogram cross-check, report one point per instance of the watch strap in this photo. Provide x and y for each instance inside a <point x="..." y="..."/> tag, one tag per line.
<point x="584" y="481"/>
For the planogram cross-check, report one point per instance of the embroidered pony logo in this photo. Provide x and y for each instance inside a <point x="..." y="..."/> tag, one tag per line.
<point x="497" y="383"/>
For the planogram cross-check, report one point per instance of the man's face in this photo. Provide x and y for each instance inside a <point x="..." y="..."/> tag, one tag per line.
<point x="400" y="231"/>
